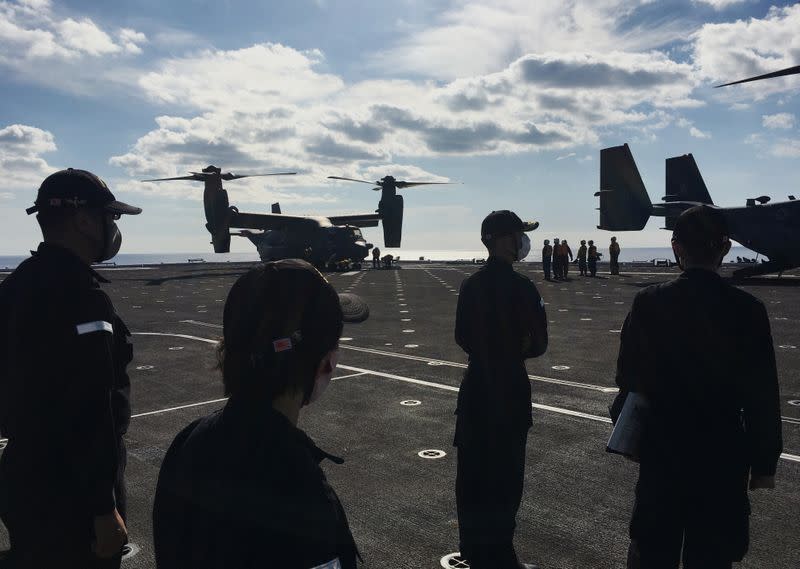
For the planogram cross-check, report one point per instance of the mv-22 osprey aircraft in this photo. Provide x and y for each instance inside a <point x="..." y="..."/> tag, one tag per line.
<point x="325" y="242"/>
<point x="771" y="229"/>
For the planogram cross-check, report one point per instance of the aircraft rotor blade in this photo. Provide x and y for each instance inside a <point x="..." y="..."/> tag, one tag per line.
<point x="351" y="180"/>
<point x="230" y="176"/>
<point x="401" y="185"/>
<point x="192" y="177"/>
<point x="789" y="71"/>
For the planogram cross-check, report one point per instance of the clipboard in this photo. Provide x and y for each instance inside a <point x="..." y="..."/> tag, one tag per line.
<point x="627" y="434"/>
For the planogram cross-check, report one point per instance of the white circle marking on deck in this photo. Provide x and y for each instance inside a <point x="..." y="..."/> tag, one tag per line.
<point x="615" y="331"/>
<point x="411" y="346"/>
<point x="787" y="346"/>
<point x="411" y="403"/>
<point x="560" y="368"/>
<point x="144" y="368"/>
<point x="345" y="339"/>
<point x="795" y="402"/>
<point x="453" y="561"/>
<point x="129" y="550"/>
<point x="432" y="453"/>
<point x="586" y="319"/>
<point x="175" y="348"/>
<point x="408" y="331"/>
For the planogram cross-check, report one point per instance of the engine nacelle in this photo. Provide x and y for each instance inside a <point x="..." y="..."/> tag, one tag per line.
<point x="391" y="210"/>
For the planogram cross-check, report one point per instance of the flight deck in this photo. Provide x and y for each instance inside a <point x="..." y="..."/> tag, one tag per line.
<point x="389" y="412"/>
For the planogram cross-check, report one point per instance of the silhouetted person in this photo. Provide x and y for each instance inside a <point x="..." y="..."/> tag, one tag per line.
<point x="557" y="274"/>
<point x="64" y="389"/>
<point x="613" y="254"/>
<point x="387" y="261"/>
<point x="700" y="352"/>
<point x="592" y="257"/>
<point x="547" y="254"/>
<point x="243" y="487"/>
<point x="565" y="257"/>
<point x="582" y="252"/>
<point x="500" y="322"/>
<point x="376" y="258"/>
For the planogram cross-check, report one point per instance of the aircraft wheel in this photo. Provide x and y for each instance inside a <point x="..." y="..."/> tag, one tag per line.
<point x="354" y="308"/>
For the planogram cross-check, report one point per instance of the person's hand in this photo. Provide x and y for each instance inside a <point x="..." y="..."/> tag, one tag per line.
<point x="757" y="482"/>
<point x="110" y="534"/>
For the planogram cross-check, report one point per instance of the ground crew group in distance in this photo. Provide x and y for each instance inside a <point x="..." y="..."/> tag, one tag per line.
<point x="244" y="482"/>
<point x="558" y="256"/>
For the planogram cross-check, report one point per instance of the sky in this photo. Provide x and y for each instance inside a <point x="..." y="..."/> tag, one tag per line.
<point x="511" y="100"/>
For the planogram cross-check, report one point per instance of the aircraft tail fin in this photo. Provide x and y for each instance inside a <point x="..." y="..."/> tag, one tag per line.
<point x="624" y="203"/>
<point x="276" y="207"/>
<point x="684" y="184"/>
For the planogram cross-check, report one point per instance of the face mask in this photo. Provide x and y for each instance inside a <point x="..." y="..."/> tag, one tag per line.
<point x="112" y="241"/>
<point x="322" y="381"/>
<point x="524" y="247"/>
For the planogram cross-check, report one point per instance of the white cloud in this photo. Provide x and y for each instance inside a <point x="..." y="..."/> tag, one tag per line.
<point x="269" y="104"/>
<point x="735" y="50"/>
<point x="720" y="4"/>
<point x="23" y="167"/>
<point x="474" y="37"/>
<point x="38" y="45"/>
<point x="783" y="121"/>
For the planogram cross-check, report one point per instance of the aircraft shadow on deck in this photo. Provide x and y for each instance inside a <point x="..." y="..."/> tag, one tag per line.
<point x="160" y="281"/>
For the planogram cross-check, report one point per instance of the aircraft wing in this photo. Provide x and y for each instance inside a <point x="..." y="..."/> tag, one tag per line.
<point x="357" y="220"/>
<point x="270" y="221"/>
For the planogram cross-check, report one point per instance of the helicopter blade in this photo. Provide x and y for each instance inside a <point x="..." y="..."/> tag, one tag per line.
<point x="788" y="71"/>
<point x="230" y="176"/>
<point x="192" y="177"/>
<point x="401" y="185"/>
<point x="350" y="180"/>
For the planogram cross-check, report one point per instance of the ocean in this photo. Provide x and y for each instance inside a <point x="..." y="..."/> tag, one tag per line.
<point x="628" y="254"/>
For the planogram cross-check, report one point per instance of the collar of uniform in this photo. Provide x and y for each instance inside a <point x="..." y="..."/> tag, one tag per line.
<point x="498" y="264"/>
<point x="68" y="258"/>
<point x="275" y="424"/>
<point x="700" y="274"/>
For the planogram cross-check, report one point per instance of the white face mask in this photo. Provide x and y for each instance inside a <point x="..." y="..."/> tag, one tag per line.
<point x="524" y="247"/>
<point x="322" y="380"/>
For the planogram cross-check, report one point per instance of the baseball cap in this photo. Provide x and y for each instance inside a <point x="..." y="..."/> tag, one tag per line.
<point x="503" y="222"/>
<point x="76" y="188"/>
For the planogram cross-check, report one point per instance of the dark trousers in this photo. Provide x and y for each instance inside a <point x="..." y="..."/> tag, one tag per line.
<point x="564" y="262"/>
<point x="614" y="264"/>
<point x="593" y="268"/>
<point x="376" y="263"/>
<point x="705" y="525"/>
<point x="582" y="267"/>
<point x="546" y="267"/>
<point x="489" y="482"/>
<point x="55" y="532"/>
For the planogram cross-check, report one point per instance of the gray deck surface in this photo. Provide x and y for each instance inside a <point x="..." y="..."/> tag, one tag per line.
<point x="401" y="507"/>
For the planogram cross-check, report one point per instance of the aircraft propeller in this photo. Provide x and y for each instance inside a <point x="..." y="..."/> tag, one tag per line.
<point x="788" y="71"/>
<point x="388" y="182"/>
<point x="203" y="176"/>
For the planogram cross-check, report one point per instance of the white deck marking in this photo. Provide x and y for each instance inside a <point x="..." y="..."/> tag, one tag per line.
<point x="349" y="375"/>
<point x="179" y="408"/>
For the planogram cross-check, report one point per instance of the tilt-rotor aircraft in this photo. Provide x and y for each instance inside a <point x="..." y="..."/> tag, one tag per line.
<point x="326" y="242"/>
<point x="771" y="229"/>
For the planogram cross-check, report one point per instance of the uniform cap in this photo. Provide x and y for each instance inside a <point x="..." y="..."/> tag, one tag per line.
<point x="76" y="188"/>
<point x="504" y="222"/>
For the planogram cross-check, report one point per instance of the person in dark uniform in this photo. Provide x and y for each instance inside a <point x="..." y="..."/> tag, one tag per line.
<point x="699" y="351"/>
<point x="592" y="256"/>
<point x="500" y="322"/>
<point x="243" y="487"/>
<point x="582" y="252"/>
<point x="547" y="254"/>
<point x="64" y="390"/>
<point x="557" y="259"/>
<point x="613" y="255"/>
<point x="565" y="258"/>
<point x="376" y="258"/>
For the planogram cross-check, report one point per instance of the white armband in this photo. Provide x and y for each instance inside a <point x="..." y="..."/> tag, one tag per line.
<point x="96" y="326"/>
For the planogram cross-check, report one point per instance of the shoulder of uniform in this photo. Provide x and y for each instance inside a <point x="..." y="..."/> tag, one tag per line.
<point x="744" y="298"/>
